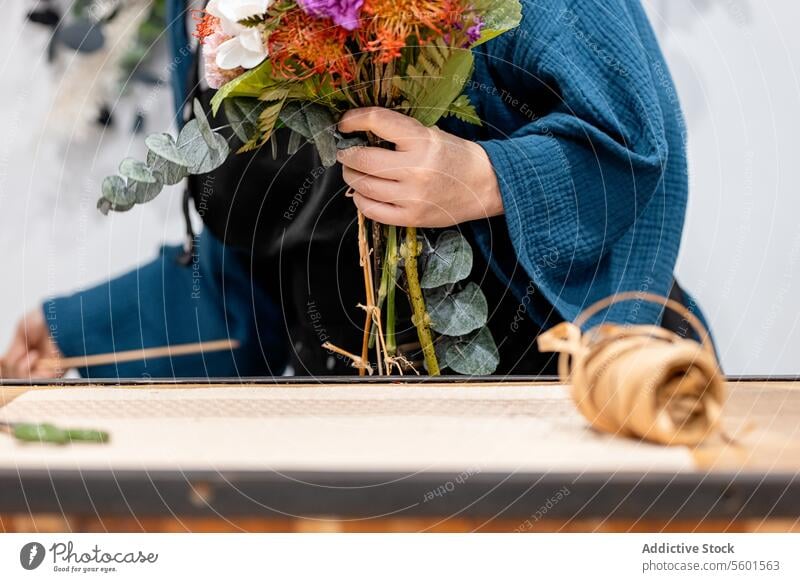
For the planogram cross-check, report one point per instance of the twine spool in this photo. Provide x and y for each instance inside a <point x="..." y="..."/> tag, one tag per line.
<point x="640" y="381"/>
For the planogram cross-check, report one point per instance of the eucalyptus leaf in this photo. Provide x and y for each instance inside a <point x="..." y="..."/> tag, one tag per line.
<point x="145" y="192"/>
<point x="116" y="196"/>
<point x="273" y="148"/>
<point x="292" y="117"/>
<point x="474" y="354"/>
<point x="221" y="147"/>
<point x="201" y="157"/>
<point x="115" y="190"/>
<point x="295" y="141"/>
<point x="169" y="172"/>
<point x="163" y="145"/>
<point x="105" y="206"/>
<point x="457" y="313"/>
<point x="450" y="261"/>
<point x="350" y="141"/>
<point x="322" y="125"/>
<point x="440" y="347"/>
<point x="202" y="123"/>
<point x="242" y="113"/>
<point x="137" y="170"/>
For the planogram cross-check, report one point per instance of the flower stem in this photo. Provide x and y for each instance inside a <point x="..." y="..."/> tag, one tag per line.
<point x="363" y="252"/>
<point x="390" y="267"/>
<point x="420" y="318"/>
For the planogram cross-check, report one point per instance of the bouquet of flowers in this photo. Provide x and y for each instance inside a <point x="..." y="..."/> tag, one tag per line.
<point x="301" y="64"/>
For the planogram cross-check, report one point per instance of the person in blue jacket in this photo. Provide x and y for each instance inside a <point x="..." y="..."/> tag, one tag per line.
<point x="574" y="188"/>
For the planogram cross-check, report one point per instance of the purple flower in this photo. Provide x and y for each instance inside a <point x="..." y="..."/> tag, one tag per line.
<point x="474" y="31"/>
<point x="345" y="13"/>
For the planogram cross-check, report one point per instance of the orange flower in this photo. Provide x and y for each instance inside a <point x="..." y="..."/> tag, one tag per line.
<point x="302" y="45"/>
<point x="395" y="23"/>
<point x="207" y="24"/>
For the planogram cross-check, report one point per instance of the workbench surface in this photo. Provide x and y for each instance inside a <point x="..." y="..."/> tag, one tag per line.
<point x="359" y="451"/>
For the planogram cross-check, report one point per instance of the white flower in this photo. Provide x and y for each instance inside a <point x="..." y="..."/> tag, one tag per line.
<point x="245" y="47"/>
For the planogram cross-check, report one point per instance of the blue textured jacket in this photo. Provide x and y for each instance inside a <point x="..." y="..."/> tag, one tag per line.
<point x="584" y="129"/>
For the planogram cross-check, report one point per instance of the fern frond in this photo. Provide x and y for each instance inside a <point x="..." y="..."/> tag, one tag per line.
<point x="434" y="81"/>
<point x="253" y="21"/>
<point x="463" y="110"/>
<point x="267" y="120"/>
<point x="274" y="94"/>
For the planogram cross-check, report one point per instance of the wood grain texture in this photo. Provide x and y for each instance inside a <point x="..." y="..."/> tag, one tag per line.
<point x="93" y="524"/>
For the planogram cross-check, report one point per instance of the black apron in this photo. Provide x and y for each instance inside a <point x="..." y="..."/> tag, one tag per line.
<point x="291" y="215"/>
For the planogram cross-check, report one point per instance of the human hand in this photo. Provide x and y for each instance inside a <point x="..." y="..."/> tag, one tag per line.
<point x="30" y="350"/>
<point x="431" y="178"/>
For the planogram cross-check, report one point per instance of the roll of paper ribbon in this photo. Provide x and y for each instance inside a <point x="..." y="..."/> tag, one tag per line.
<point x="641" y="381"/>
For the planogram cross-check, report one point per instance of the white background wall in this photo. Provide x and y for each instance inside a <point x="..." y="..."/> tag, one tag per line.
<point x="736" y="64"/>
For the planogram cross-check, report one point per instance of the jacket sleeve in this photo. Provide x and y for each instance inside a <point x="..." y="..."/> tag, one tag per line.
<point x="165" y="303"/>
<point x="575" y="179"/>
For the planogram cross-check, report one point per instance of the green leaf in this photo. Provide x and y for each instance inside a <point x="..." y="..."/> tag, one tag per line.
<point x="164" y="146"/>
<point x="113" y="188"/>
<point x="292" y="117"/>
<point x="116" y="196"/>
<point x="474" y="355"/>
<point x="450" y="262"/>
<point x="463" y="110"/>
<point x="350" y="141"/>
<point x="274" y="148"/>
<point x="137" y="170"/>
<point x="169" y="172"/>
<point x="242" y="113"/>
<point x="456" y="313"/>
<point x="440" y="345"/>
<point x="143" y="183"/>
<point x="267" y="121"/>
<point x="322" y="125"/>
<point x="295" y="141"/>
<point x="253" y="21"/>
<point x="144" y="191"/>
<point x="274" y="94"/>
<point x="435" y="81"/>
<point x="201" y="157"/>
<point x="249" y="84"/>
<point x="203" y="125"/>
<point x="499" y="17"/>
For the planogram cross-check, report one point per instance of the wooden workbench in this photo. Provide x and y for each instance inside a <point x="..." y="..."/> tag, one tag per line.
<point x="751" y="484"/>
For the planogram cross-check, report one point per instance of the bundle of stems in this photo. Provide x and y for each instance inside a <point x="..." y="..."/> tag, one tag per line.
<point x="381" y="249"/>
<point x="375" y="333"/>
